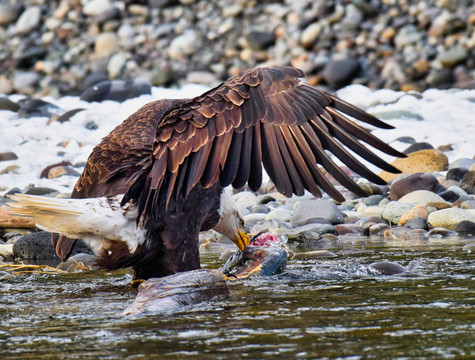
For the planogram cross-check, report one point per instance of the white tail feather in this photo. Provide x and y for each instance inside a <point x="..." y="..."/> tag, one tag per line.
<point x="96" y="220"/>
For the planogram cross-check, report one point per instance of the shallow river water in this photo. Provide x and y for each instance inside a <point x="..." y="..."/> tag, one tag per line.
<point x="334" y="307"/>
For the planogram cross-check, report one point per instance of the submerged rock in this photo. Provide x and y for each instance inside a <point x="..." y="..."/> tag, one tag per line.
<point x="388" y="268"/>
<point x="168" y="294"/>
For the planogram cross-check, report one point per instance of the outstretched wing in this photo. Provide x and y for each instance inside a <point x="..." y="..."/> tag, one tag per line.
<point x="262" y="116"/>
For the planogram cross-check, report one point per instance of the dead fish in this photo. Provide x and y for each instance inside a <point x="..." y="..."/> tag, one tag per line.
<point x="264" y="256"/>
<point x="170" y="293"/>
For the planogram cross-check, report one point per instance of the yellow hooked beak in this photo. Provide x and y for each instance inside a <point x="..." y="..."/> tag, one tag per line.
<point x="242" y="240"/>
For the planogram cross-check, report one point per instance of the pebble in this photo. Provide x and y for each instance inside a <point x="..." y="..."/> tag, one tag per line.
<point x="467" y="183"/>
<point x="339" y="73"/>
<point x="465" y="228"/>
<point x="410" y="183"/>
<point x="79" y="262"/>
<point x="417" y="147"/>
<point x="106" y="44"/>
<point x="29" y="19"/>
<point x="456" y="173"/>
<point x="416" y="223"/>
<point x="417" y="211"/>
<point x="451" y="57"/>
<point x="419" y="161"/>
<point x="463" y="163"/>
<point x="9" y="13"/>
<point x="317" y="208"/>
<point x="116" y="90"/>
<point x="449" y="218"/>
<point x="8" y="156"/>
<point x="421" y="197"/>
<point x="183" y="45"/>
<point x="393" y="211"/>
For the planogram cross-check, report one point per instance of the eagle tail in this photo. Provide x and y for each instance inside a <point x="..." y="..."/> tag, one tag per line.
<point x="96" y="220"/>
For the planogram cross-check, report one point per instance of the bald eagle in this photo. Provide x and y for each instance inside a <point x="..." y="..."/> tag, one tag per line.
<point x="159" y="176"/>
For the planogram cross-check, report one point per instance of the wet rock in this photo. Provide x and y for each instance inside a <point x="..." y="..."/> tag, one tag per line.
<point x="378" y="228"/>
<point x="388" y="268"/>
<point x="467" y="183"/>
<point x="421" y="197"/>
<point x="339" y="73"/>
<point x="344" y="229"/>
<point x="393" y="211"/>
<point x="79" y="262"/>
<point x="6" y="156"/>
<point x="465" y="228"/>
<point x="417" y="223"/>
<point x="35" y="246"/>
<point x="418" y="211"/>
<point x="419" y="161"/>
<point x="441" y="232"/>
<point x="317" y="208"/>
<point x="159" y="295"/>
<point x="309" y="231"/>
<point x="410" y="183"/>
<point x="448" y="218"/>
<point x="417" y="147"/>
<point x="116" y="90"/>
<point x="7" y="104"/>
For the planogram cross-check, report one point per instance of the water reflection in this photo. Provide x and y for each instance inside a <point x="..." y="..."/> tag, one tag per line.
<point x="318" y="308"/>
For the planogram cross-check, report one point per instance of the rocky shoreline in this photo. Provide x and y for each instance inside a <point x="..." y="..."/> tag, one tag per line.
<point x="60" y="48"/>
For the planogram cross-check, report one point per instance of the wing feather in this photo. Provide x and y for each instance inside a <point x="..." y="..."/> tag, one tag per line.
<point x="262" y="117"/>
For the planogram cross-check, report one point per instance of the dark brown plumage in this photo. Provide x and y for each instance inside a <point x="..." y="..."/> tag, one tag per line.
<point x="171" y="148"/>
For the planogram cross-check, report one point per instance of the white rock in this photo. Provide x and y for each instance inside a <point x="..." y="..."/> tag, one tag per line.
<point x="115" y="65"/>
<point x="29" y="19"/>
<point x="182" y="45"/>
<point x="106" y="44"/>
<point x="244" y="199"/>
<point x="280" y="213"/>
<point x="96" y="7"/>
<point x="394" y="209"/>
<point x="317" y="208"/>
<point x="421" y="197"/>
<point x="448" y="218"/>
